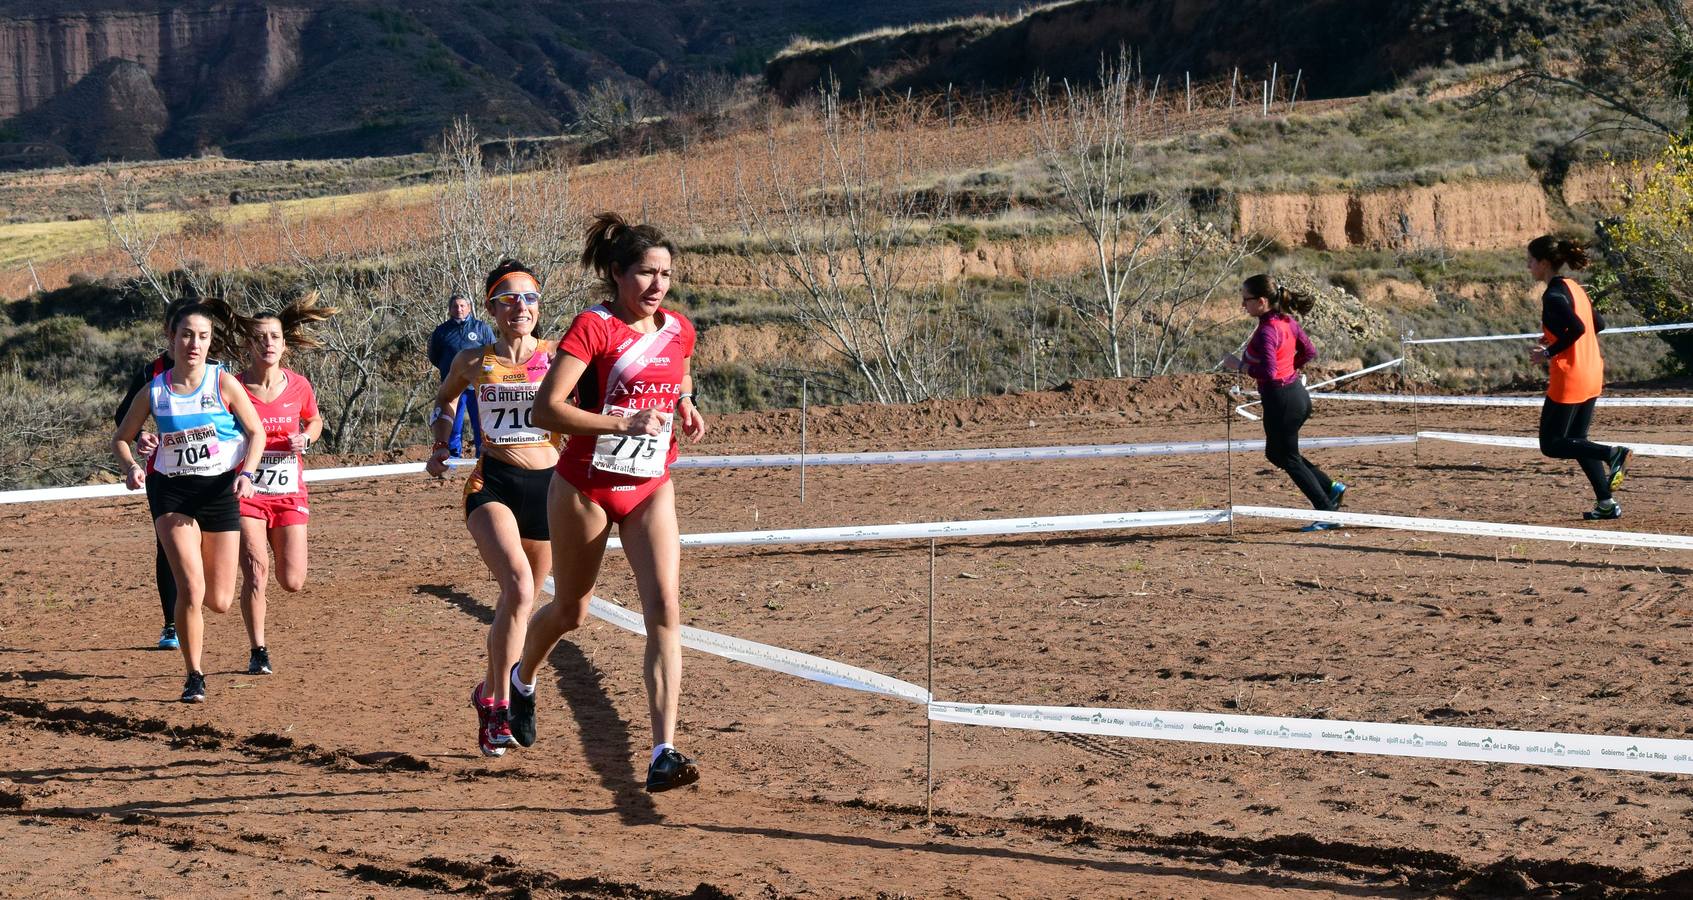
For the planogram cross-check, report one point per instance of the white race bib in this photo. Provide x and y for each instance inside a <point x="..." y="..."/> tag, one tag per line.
<point x="278" y="474"/>
<point x="642" y="456"/>
<point x="506" y="417"/>
<point x="190" y="452"/>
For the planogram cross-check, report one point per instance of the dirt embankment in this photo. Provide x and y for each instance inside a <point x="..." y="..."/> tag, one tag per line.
<point x="942" y="263"/>
<point x="1480" y="215"/>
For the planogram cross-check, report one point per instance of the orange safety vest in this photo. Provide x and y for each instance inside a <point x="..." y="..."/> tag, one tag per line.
<point x="1577" y="374"/>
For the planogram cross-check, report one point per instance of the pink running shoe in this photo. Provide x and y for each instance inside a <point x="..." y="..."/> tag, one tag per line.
<point x="499" y="727"/>
<point x="486" y="715"/>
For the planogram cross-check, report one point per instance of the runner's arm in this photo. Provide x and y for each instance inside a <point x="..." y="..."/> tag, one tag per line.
<point x="447" y="397"/>
<point x="693" y="423"/>
<point x="554" y="411"/>
<point x="1558" y="315"/>
<point x="241" y="406"/>
<point x="129" y="427"/>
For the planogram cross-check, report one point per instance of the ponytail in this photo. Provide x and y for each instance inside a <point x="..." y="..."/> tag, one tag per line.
<point x="299" y="313"/>
<point x="1283" y="299"/>
<point x="612" y="245"/>
<point x="1562" y="253"/>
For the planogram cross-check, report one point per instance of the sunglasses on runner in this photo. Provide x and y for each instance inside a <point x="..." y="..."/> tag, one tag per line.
<point x="513" y="298"/>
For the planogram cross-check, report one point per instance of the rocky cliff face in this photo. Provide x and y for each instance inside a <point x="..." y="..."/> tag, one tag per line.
<point x="43" y="56"/>
<point x="1479" y="215"/>
<point x="286" y="78"/>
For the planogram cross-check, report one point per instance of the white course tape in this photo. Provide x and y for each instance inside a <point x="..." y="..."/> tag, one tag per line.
<point x="1477" y="529"/>
<point x="89" y="491"/>
<point x="765" y="656"/>
<point x="995" y="454"/>
<point x="1437" y="400"/>
<point x="1631" y="329"/>
<point x="1338" y="735"/>
<point x="1011" y="454"/>
<point x="1500" y="440"/>
<point x="1241" y="409"/>
<point x="973" y="528"/>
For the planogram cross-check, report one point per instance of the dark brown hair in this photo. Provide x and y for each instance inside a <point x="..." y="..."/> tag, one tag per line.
<point x="294" y="318"/>
<point x="507" y="266"/>
<point x="1283" y="299"/>
<point x="1560" y="252"/>
<point x="228" y="326"/>
<point x="612" y="245"/>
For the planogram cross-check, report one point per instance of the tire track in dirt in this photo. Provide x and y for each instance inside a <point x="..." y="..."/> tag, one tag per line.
<point x="1419" y="870"/>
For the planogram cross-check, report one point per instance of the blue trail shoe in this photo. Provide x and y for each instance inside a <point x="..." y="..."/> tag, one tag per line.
<point x="167" y="638"/>
<point x="1337" y="493"/>
<point x="1610" y="509"/>
<point x="1321" y="526"/>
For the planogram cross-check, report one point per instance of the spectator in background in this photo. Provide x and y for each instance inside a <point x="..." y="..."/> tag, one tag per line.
<point x="461" y="331"/>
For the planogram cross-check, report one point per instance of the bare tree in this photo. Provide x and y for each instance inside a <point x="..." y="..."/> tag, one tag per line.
<point x="483" y="217"/>
<point x="1155" y="267"/>
<point x="610" y="110"/>
<point x="829" y="241"/>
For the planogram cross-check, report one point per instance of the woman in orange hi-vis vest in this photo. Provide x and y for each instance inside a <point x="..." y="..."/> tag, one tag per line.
<point x="1570" y="351"/>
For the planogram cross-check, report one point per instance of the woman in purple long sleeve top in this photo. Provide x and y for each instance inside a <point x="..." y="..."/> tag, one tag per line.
<point x="1274" y="354"/>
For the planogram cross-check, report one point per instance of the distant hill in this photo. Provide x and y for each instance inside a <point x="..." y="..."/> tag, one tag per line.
<point x="317" y="78"/>
<point x="1342" y="47"/>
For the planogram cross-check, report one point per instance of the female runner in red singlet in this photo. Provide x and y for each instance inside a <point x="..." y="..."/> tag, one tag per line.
<point x="274" y="518"/>
<point x="626" y="362"/>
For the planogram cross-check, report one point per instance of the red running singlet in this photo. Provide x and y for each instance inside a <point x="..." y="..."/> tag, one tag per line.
<point x="628" y="371"/>
<point x="280" y="482"/>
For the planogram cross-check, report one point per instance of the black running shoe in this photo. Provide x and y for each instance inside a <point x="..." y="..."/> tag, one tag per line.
<point x="1614" y="511"/>
<point x="258" y="661"/>
<point x="671" y="770"/>
<point x="1618" y="462"/>
<point x="520" y="717"/>
<point x="194" y="689"/>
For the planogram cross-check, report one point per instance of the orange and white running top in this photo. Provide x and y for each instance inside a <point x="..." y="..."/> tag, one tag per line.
<point x="505" y="398"/>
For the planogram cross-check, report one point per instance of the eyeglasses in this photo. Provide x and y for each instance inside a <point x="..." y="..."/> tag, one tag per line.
<point x="527" y="298"/>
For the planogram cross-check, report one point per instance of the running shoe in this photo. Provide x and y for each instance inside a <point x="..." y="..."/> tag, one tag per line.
<point x="194" y="689"/>
<point x="671" y="770"/>
<point x="485" y="713"/>
<point x="1602" y="511"/>
<point x="520" y="717"/>
<point x="1618" y="462"/>
<point x="499" y="727"/>
<point x="258" y="661"/>
<point x="167" y="638"/>
<point x="1337" y="493"/>
<point x="1321" y="526"/>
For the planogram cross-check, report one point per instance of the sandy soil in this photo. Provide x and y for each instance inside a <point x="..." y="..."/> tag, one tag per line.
<point x="353" y="769"/>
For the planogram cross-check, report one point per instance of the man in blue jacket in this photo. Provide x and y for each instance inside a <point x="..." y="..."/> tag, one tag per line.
<point x="461" y="331"/>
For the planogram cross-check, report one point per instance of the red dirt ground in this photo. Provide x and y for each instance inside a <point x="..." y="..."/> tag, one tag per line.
<point x="353" y="770"/>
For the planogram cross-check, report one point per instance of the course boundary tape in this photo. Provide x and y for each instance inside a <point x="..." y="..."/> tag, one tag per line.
<point x="1551" y="748"/>
<point x="1502" y="440"/>
<point x="1452" y="400"/>
<point x="1500" y="745"/>
<point x="901" y="457"/>
<point x="1477" y="529"/>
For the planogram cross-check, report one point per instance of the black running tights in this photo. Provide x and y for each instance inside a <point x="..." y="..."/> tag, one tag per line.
<point x="1285" y="409"/>
<point x="166" y="581"/>
<point x="1563" y="435"/>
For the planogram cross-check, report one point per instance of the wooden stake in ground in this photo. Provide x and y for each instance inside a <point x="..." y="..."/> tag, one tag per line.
<point x="929" y="685"/>
<point x="1228" y="454"/>
<point x="803" y="386"/>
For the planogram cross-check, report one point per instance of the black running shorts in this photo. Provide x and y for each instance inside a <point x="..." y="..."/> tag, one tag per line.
<point x="523" y="491"/>
<point x="207" y="499"/>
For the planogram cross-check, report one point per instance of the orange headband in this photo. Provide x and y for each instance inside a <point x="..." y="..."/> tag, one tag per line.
<point x="496" y="285"/>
